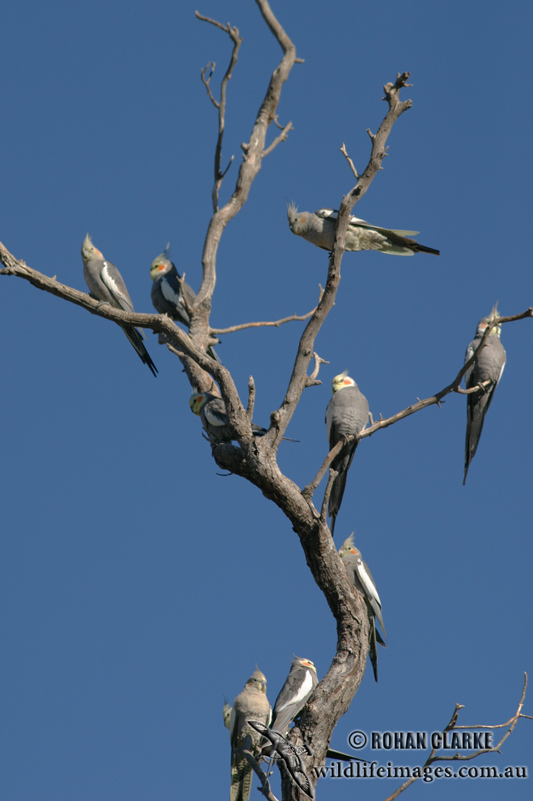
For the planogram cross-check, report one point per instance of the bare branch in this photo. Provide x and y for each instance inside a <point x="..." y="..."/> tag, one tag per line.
<point x="281" y="138"/>
<point x="248" y="170"/>
<point x="458" y="757"/>
<point x="192" y="357"/>
<point x="310" y="488"/>
<point x="472" y="391"/>
<point x="318" y="361"/>
<point x="453" y="386"/>
<point x="329" y="486"/>
<point x="348" y="159"/>
<point x="211" y="21"/>
<point x="251" y="399"/>
<point x="275" y="324"/>
<point x="306" y="345"/>
<point x="221" y="105"/>
<point x="206" y="81"/>
<point x="308" y="491"/>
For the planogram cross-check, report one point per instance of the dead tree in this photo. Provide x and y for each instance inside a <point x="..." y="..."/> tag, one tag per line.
<point x="252" y="458"/>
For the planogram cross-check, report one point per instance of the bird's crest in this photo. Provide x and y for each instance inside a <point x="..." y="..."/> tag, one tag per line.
<point x="341" y="380"/>
<point x="494" y="315"/>
<point x="88" y="249"/>
<point x="348" y="546"/>
<point x="349" y="542"/>
<point x="292" y="214"/>
<point x="161" y="263"/>
<point x="258" y="678"/>
<point x="292" y="209"/>
<point x="304" y="661"/>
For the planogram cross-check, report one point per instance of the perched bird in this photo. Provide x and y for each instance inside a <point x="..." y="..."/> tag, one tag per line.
<point x="319" y="229"/>
<point x="299" y="686"/>
<point x="212" y="412"/>
<point x="170" y="294"/>
<point x="360" y="576"/>
<point x="250" y="704"/>
<point x="488" y="366"/>
<point x="106" y="283"/>
<point x="346" y="415"/>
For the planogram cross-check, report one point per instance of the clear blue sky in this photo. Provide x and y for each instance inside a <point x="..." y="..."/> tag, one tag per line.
<point x="138" y="586"/>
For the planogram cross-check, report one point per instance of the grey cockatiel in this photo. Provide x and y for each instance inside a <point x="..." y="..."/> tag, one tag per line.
<point x="212" y="412"/>
<point x="299" y="686"/>
<point x="360" y="576"/>
<point x="170" y="295"/>
<point x="251" y="703"/>
<point x="319" y="229"/>
<point x="488" y="366"/>
<point x="106" y="283"/>
<point x="346" y="415"/>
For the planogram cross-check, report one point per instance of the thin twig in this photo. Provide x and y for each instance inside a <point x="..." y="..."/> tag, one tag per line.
<point x="348" y="159"/>
<point x="453" y="386"/>
<point x="274" y="324"/>
<point x="206" y="82"/>
<point x="233" y="33"/>
<point x="329" y="486"/>
<point x="308" y="491"/>
<point x="251" y="399"/>
<point x="306" y="346"/>
<point x="452" y="726"/>
<point x="281" y="138"/>
<point x="318" y="361"/>
<point x="248" y="171"/>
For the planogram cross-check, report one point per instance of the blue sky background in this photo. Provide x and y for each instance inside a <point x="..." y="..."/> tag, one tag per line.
<point x="138" y="586"/>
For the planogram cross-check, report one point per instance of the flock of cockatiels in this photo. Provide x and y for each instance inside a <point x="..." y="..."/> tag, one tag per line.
<point x="254" y="726"/>
<point x="251" y="722"/>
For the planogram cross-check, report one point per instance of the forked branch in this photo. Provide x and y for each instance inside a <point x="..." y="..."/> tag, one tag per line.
<point x="458" y="757"/>
<point x="306" y="346"/>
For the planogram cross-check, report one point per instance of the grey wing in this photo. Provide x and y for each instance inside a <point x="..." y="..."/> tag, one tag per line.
<point x="159" y="301"/>
<point x="477" y="407"/>
<point x="468" y="355"/>
<point x="173" y="292"/>
<point x="116" y="287"/>
<point x="370" y="590"/>
<point x="342" y="464"/>
<point x="298" y="687"/>
<point x="215" y="413"/>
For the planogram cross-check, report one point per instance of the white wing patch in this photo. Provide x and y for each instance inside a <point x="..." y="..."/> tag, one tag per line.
<point x="366" y="582"/>
<point x="305" y="689"/>
<point x="112" y="279"/>
<point x="333" y="214"/>
<point x="469" y="352"/>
